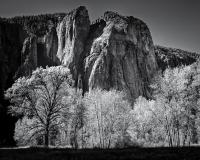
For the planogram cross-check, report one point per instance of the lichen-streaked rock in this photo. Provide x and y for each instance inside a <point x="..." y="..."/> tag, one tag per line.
<point x="38" y="51"/>
<point x="28" y="57"/>
<point x="47" y="47"/>
<point x="72" y="33"/>
<point x="122" y="57"/>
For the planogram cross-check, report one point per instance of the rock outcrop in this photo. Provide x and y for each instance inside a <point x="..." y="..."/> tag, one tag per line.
<point x="121" y="56"/>
<point x="72" y="34"/>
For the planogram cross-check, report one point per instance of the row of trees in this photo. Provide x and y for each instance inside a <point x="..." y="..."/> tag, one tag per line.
<point x="52" y="112"/>
<point x="172" y="118"/>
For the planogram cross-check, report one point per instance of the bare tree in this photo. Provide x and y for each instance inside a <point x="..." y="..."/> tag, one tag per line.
<point x="108" y="118"/>
<point x="43" y="98"/>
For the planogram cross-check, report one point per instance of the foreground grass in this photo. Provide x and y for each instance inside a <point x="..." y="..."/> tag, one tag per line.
<point x="183" y="153"/>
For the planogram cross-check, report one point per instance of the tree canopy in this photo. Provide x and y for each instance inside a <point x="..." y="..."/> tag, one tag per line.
<point x="42" y="98"/>
<point x="52" y="112"/>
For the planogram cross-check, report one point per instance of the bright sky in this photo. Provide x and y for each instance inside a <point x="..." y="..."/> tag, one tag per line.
<point x="173" y="23"/>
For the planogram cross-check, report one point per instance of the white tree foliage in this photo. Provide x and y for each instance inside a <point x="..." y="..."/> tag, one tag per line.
<point x="42" y="98"/>
<point x="171" y="118"/>
<point x="108" y="118"/>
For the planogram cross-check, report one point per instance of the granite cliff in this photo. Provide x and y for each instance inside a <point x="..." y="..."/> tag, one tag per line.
<point x="121" y="56"/>
<point x="113" y="52"/>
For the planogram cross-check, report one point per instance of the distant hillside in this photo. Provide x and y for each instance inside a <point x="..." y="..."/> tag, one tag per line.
<point x="36" y="24"/>
<point x="172" y="57"/>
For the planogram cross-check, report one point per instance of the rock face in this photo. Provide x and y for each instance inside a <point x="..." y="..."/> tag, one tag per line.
<point x="30" y="42"/>
<point x="114" y="52"/>
<point x="121" y="56"/>
<point x="171" y="57"/>
<point x="72" y="34"/>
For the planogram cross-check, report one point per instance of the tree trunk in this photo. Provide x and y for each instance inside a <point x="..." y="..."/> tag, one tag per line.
<point x="46" y="136"/>
<point x="193" y="128"/>
<point x="46" y="139"/>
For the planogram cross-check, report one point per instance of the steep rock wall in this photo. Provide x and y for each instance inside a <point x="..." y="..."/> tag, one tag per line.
<point x="122" y="57"/>
<point x="47" y="47"/>
<point x="72" y="33"/>
<point x="38" y="51"/>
